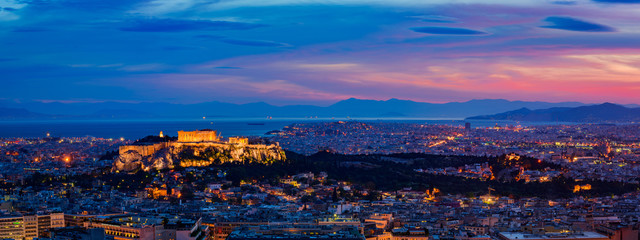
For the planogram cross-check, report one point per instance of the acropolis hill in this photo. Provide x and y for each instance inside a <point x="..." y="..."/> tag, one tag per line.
<point x="194" y="149"/>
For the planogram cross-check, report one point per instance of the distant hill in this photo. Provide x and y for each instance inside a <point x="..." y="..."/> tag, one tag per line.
<point x="119" y="113"/>
<point x="606" y="112"/>
<point x="632" y="105"/>
<point x="18" y="113"/>
<point x="347" y="108"/>
<point x="395" y="107"/>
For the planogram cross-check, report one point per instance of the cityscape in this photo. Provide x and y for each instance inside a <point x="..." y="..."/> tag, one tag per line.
<point x="334" y="180"/>
<point x="319" y="120"/>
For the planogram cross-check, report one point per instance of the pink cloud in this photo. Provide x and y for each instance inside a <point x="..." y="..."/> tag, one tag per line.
<point x="572" y="75"/>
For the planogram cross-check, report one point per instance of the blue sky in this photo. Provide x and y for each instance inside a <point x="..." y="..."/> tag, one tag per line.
<point x="319" y="52"/>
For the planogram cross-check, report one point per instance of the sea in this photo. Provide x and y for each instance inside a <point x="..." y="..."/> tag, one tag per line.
<point x="135" y="129"/>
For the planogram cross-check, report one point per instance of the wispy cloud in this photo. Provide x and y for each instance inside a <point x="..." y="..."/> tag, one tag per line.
<point x="565" y="2"/>
<point x="617" y="1"/>
<point x="616" y="63"/>
<point x="227" y="67"/>
<point x="436" y="19"/>
<point x="30" y="29"/>
<point x="159" y="7"/>
<point x="447" y="31"/>
<point x="328" y="66"/>
<point x="573" y="24"/>
<point x="9" y="9"/>
<point x="150" y="67"/>
<point x="233" y="88"/>
<point x="254" y="43"/>
<point x="243" y="42"/>
<point x="181" y="25"/>
<point x="208" y="36"/>
<point x="395" y="3"/>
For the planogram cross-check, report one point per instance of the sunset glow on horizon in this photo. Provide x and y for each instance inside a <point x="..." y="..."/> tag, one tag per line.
<point x="319" y="52"/>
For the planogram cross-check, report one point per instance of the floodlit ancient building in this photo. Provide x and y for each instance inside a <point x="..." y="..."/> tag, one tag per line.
<point x="162" y="152"/>
<point x="238" y="140"/>
<point x="206" y="135"/>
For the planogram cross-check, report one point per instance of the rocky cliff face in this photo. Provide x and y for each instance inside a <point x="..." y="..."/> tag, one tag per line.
<point x="133" y="161"/>
<point x="197" y="155"/>
<point x="128" y="161"/>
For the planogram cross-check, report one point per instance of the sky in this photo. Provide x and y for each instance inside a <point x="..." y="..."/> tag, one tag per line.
<point x="319" y="51"/>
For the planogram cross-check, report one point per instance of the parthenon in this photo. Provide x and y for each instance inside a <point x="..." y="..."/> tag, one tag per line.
<point x="205" y="135"/>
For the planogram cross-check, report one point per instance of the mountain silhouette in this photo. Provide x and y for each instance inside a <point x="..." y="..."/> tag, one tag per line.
<point x="346" y="108"/>
<point x="606" y="112"/>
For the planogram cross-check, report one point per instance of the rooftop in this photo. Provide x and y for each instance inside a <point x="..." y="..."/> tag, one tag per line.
<point x="579" y="235"/>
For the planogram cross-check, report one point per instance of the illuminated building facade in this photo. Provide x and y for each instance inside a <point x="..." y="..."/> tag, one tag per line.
<point x="205" y="135"/>
<point x="238" y="140"/>
<point x="12" y="227"/>
<point x="544" y="236"/>
<point x="30" y="226"/>
<point x="129" y="227"/>
<point x="296" y="231"/>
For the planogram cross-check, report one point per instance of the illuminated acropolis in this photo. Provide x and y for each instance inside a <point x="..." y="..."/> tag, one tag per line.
<point x="205" y="135"/>
<point x="236" y="149"/>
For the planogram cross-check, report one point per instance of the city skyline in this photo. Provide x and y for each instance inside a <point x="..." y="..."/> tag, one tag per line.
<point x="312" y="52"/>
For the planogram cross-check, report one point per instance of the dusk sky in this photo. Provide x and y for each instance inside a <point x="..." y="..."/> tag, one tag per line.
<point x="319" y="52"/>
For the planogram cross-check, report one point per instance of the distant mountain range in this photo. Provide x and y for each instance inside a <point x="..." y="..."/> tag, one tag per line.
<point x="18" y="113"/>
<point x="606" y="112"/>
<point x="346" y="108"/>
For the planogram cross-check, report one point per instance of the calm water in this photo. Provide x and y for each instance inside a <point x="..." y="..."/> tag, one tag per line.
<point x="134" y="129"/>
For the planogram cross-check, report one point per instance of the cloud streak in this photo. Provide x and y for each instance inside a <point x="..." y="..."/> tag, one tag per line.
<point x="617" y="1"/>
<point x="254" y="43"/>
<point x="447" y="31"/>
<point x="573" y="24"/>
<point x="180" y="25"/>
<point x="565" y="2"/>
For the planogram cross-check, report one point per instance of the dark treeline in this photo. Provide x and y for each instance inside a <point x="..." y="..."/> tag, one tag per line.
<point x="154" y="139"/>
<point x="376" y="172"/>
<point x="392" y="175"/>
<point x="371" y="172"/>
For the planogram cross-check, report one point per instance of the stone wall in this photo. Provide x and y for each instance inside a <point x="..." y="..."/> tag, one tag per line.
<point x="238" y="140"/>
<point x="144" y="150"/>
<point x="193" y="154"/>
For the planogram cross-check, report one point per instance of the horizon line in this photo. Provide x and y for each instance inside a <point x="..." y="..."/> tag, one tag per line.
<point x="94" y="101"/>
